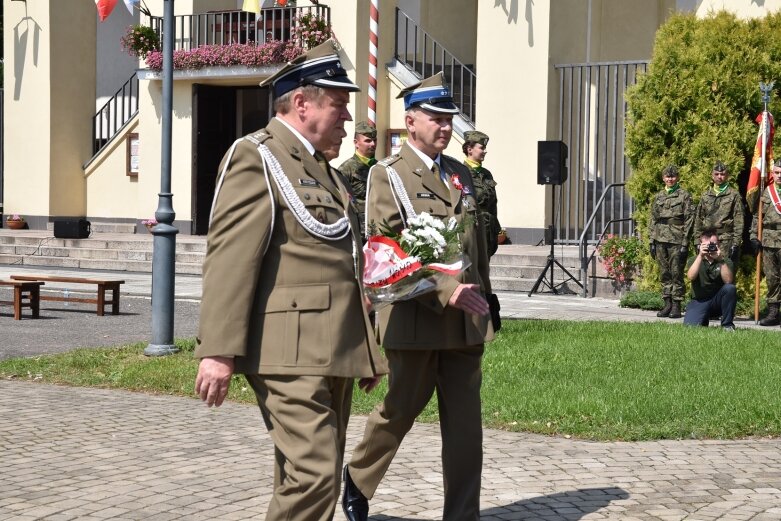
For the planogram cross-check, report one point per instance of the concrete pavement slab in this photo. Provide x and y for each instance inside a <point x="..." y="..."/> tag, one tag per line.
<point x="89" y="454"/>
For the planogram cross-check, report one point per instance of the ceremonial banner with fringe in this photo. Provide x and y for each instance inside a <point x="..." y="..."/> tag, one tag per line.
<point x="766" y="127"/>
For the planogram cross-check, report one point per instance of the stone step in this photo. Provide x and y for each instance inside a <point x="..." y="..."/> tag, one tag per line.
<point x="111" y="227"/>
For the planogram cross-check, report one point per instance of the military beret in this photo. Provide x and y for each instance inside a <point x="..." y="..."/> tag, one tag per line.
<point x="777" y="163"/>
<point x="719" y="167"/>
<point x="365" y="128"/>
<point x="430" y="94"/>
<point x="670" y="170"/>
<point x="320" y="66"/>
<point x="476" y="136"/>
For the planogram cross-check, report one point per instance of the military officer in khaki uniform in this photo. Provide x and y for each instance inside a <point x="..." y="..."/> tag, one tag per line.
<point x="670" y="229"/>
<point x="433" y="343"/>
<point x="475" y="148"/>
<point x="721" y="207"/>
<point x="282" y="296"/>
<point x="356" y="169"/>
<point x="770" y="245"/>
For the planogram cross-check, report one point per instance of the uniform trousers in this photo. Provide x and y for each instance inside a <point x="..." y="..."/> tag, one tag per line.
<point x="306" y="417"/>
<point x="723" y="303"/>
<point x="670" y="270"/>
<point x="771" y="267"/>
<point x="414" y="375"/>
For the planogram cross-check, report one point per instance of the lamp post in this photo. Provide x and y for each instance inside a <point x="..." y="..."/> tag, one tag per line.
<point x="164" y="245"/>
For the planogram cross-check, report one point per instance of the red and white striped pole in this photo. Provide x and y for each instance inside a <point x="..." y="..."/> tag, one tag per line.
<point x="374" y="16"/>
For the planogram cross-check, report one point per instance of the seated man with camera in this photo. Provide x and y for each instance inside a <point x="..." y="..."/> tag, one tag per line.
<point x="713" y="289"/>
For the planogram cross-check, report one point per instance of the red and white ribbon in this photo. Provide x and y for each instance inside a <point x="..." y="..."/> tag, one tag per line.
<point x="374" y="16"/>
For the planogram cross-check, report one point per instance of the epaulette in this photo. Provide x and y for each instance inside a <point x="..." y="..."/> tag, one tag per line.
<point x="389" y="160"/>
<point x="258" y="137"/>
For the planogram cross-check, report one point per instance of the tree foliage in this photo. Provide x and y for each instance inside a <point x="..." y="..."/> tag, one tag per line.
<point x="697" y="102"/>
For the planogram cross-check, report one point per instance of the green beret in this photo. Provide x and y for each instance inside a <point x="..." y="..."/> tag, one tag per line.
<point x="476" y="136"/>
<point x="365" y="128"/>
<point x="670" y="170"/>
<point x="719" y="167"/>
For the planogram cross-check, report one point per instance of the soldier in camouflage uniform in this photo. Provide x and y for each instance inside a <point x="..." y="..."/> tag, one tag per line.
<point x="721" y="207"/>
<point x="474" y="148"/>
<point x="670" y="229"/>
<point x="770" y="246"/>
<point x="356" y="169"/>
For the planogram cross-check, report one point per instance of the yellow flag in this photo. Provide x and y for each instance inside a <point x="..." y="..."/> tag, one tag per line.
<point x="251" y="6"/>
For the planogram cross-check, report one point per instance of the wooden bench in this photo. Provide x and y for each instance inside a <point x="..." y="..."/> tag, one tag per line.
<point x="102" y="284"/>
<point x="27" y="294"/>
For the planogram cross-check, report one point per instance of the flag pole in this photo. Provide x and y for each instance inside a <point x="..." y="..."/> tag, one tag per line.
<point x="765" y="88"/>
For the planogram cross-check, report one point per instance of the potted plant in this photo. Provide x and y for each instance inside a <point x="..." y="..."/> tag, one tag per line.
<point x="15" y="222"/>
<point x="149" y="223"/>
<point x="140" y="40"/>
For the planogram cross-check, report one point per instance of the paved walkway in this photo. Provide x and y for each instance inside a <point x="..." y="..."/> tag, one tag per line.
<point x="90" y="454"/>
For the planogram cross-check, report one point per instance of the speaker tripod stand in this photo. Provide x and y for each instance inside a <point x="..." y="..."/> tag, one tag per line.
<point x="552" y="258"/>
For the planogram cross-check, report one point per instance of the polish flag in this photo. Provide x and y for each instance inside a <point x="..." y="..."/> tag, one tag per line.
<point x="105" y="7"/>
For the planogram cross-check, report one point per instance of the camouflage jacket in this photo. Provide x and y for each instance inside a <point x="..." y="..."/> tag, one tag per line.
<point x="724" y="212"/>
<point x="672" y="216"/>
<point x="356" y="172"/>
<point x="771" y="223"/>
<point x="485" y="193"/>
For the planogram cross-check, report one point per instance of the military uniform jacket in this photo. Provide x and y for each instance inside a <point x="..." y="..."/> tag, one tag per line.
<point x="722" y="211"/>
<point x="672" y="216"/>
<point x="278" y="298"/>
<point x="771" y="222"/>
<point x="427" y="322"/>
<point x="485" y="193"/>
<point x="356" y="171"/>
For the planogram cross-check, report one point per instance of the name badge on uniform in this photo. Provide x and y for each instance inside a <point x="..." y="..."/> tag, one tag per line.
<point x="308" y="182"/>
<point x="425" y="195"/>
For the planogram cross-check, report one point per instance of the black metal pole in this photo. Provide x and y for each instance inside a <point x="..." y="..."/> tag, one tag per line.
<point x="164" y="245"/>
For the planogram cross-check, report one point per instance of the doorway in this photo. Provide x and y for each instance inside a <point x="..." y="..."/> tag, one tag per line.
<point x="221" y="115"/>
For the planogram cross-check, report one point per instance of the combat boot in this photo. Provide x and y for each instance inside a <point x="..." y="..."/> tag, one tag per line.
<point x="771" y="319"/>
<point x="675" y="310"/>
<point x="668" y="304"/>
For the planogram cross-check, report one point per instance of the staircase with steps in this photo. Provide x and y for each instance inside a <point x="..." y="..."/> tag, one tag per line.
<point x="514" y="267"/>
<point x="115" y="251"/>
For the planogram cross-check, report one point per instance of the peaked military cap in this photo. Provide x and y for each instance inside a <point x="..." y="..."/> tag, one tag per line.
<point x="430" y="94"/>
<point x="476" y="136"/>
<point x="365" y="128"/>
<point x="320" y="66"/>
<point x="719" y="167"/>
<point x="670" y="171"/>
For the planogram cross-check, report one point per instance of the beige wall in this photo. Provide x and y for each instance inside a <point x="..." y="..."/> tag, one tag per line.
<point x="49" y="102"/>
<point x="111" y="193"/>
<point x="150" y="133"/>
<point x="511" y="105"/>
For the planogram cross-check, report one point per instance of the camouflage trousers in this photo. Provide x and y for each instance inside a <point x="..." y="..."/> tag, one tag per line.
<point x="670" y="270"/>
<point x="771" y="267"/>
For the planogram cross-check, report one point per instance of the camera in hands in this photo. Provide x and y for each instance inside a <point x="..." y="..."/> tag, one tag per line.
<point x="712" y="247"/>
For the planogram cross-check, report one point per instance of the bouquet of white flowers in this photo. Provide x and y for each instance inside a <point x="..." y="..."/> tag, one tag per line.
<point x="401" y="266"/>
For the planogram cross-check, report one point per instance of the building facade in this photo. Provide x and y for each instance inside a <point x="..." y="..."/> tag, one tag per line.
<point x="506" y="60"/>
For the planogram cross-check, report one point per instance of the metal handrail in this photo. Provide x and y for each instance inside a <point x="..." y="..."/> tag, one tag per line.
<point x="584" y="270"/>
<point x="582" y="247"/>
<point x="425" y="56"/>
<point x="114" y="114"/>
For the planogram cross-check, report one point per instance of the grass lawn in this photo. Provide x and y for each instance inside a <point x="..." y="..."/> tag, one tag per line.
<point x="592" y="380"/>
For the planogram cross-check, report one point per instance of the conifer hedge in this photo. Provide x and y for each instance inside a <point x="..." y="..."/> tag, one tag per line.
<point x="696" y="104"/>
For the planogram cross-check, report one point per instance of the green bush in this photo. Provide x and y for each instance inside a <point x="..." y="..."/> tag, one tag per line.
<point x="696" y="104"/>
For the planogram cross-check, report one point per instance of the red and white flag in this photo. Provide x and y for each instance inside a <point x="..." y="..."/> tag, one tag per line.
<point x="767" y="129"/>
<point x="105" y="7"/>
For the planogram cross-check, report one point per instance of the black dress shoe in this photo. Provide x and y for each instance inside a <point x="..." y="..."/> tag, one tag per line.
<point x="354" y="503"/>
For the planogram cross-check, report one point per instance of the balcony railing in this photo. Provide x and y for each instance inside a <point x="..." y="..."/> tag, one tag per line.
<point x="229" y="27"/>
<point x="423" y="55"/>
